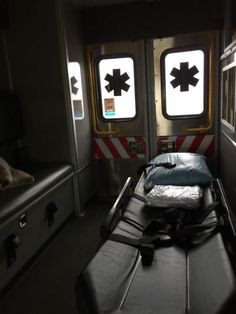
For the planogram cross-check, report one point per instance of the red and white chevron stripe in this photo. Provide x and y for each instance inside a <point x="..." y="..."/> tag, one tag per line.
<point x="119" y="147"/>
<point x="201" y="144"/>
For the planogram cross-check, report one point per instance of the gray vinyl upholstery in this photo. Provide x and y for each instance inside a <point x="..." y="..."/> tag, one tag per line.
<point x="194" y="281"/>
<point x="46" y="176"/>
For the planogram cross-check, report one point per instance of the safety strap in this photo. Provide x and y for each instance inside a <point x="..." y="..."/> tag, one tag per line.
<point x="193" y="235"/>
<point x="143" y="167"/>
<point x="163" y="234"/>
<point x="189" y="228"/>
<point x="146" y="245"/>
<point x="155" y="234"/>
<point x="186" y="217"/>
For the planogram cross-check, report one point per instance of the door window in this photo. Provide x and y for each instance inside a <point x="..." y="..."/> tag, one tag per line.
<point x="183" y="83"/>
<point x="76" y="90"/>
<point x="116" y="87"/>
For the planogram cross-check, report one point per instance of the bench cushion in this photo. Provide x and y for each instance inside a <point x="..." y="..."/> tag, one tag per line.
<point x="193" y="282"/>
<point x="210" y="276"/>
<point x="115" y="280"/>
<point x="179" y="280"/>
<point x="46" y="176"/>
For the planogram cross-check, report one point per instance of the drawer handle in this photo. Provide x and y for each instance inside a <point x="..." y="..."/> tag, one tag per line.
<point x="12" y="243"/>
<point x="51" y="210"/>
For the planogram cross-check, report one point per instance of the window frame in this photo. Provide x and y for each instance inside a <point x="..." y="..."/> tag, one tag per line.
<point x="226" y="69"/>
<point x="98" y="87"/>
<point x="163" y="84"/>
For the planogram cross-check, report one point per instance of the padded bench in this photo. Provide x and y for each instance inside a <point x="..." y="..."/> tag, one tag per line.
<point x="30" y="214"/>
<point x="197" y="280"/>
<point x="46" y="176"/>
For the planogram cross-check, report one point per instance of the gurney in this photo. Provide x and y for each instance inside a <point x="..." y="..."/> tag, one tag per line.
<point x="171" y="278"/>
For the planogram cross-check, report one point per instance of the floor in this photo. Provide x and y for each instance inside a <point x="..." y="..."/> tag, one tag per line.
<point x="48" y="286"/>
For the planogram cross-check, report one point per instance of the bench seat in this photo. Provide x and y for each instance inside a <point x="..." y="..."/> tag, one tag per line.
<point x="46" y="177"/>
<point x="31" y="214"/>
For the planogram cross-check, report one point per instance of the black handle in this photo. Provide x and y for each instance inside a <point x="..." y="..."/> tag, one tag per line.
<point x="12" y="243"/>
<point x="51" y="209"/>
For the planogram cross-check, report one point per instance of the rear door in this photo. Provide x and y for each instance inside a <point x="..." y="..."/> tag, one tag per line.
<point x="185" y="94"/>
<point x="119" y="110"/>
<point x="149" y="97"/>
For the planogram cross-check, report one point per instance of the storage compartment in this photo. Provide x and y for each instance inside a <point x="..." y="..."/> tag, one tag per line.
<point x="23" y="234"/>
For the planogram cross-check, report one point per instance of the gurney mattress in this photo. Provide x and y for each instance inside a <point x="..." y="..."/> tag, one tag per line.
<point x="195" y="281"/>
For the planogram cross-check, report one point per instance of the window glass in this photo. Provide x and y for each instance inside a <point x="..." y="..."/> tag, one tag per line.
<point x="228" y="96"/>
<point x="117" y="88"/>
<point x="183" y="80"/>
<point x="76" y="90"/>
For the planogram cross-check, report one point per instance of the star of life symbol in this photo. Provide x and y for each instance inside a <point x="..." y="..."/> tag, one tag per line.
<point x="117" y="82"/>
<point x="184" y="76"/>
<point x="74" y="85"/>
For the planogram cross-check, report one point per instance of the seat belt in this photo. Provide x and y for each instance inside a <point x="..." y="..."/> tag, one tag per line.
<point x="154" y="235"/>
<point x="189" y="217"/>
<point x="151" y="240"/>
<point x="158" y="234"/>
<point x="146" y="246"/>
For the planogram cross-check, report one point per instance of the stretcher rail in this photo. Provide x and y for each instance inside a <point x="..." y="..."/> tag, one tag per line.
<point x="115" y="212"/>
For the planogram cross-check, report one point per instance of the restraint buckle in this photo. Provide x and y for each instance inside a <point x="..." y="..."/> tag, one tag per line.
<point x="163" y="240"/>
<point x="147" y="253"/>
<point x="149" y="244"/>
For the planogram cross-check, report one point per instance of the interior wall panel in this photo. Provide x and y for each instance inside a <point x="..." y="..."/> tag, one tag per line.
<point x="34" y="55"/>
<point x="227" y="169"/>
<point x="76" y="53"/>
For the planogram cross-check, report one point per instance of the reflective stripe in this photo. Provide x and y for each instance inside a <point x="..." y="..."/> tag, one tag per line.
<point x="186" y="143"/>
<point x="119" y="147"/>
<point x="103" y="148"/>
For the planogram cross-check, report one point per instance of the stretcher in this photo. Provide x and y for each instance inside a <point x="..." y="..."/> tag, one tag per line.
<point x="195" y="279"/>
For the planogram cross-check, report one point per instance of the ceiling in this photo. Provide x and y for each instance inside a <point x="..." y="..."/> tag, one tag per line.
<point x="99" y="3"/>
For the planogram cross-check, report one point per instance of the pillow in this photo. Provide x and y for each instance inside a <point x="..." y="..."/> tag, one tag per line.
<point x="190" y="169"/>
<point x="11" y="177"/>
<point x="5" y="173"/>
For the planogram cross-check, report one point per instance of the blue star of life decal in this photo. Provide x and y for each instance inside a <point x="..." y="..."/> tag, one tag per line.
<point x="117" y="82"/>
<point x="184" y="76"/>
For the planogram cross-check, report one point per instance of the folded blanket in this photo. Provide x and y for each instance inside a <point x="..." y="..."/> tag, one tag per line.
<point x="11" y="177"/>
<point x="174" y="196"/>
